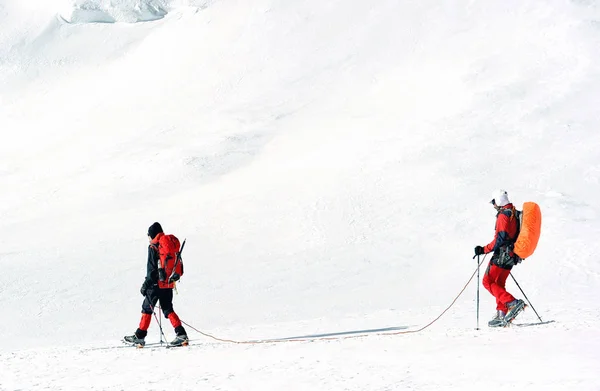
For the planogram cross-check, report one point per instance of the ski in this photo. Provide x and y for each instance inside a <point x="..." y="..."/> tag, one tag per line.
<point x="127" y="344"/>
<point x="533" y="324"/>
<point x="152" y="345"/>
<point x="176" y="346"/>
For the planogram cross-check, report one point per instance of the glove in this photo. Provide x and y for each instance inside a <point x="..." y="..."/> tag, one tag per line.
<point x="478" y="251"/>
<point x="144" y="288"/>
<point x="174" y="278"/>
<point x="162" y="275"/>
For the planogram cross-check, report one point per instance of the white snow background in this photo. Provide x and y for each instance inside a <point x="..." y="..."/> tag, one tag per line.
<point x="330" y="164"/>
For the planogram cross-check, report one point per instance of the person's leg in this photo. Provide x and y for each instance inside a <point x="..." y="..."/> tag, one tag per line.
<point x="166" y="303"/>
<point x="489" y="280"/>
<point x="497" y="283"/>
<point x="147" y="308"/>
<point x="486" y="281"/>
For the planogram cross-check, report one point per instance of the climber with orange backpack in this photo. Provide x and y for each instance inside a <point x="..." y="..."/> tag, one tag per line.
<point x="164" y="268"/>
<point x="509" y="246"/>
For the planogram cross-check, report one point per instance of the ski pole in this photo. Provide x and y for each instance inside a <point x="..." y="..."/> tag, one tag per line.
<point x="160" y="325"/>
<point x="478" y="267"/>
<point x="156" y="318"/>
<point x="524" y="295"/>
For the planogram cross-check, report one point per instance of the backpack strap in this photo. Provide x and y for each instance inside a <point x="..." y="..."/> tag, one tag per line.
<point x="505" y="259"/>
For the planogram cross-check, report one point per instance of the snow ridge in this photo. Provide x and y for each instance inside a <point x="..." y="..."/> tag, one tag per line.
<point x="126" y="11"/>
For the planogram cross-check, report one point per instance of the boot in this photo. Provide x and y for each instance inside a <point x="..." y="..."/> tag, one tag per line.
<point x="514" y="308"/>
<point x="180" y="340"/>
<point x="498" y="320"/>
<point x="134" y="340"/>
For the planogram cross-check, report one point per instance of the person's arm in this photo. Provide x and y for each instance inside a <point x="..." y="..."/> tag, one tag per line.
<point x="152" y="266"/>
<point x="151" y="273"/>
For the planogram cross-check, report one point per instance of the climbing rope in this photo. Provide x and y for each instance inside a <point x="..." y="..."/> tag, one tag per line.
<point x="262" y="341"/>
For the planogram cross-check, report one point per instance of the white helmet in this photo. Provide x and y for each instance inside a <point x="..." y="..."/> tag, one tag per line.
<point x="500" y="198"/>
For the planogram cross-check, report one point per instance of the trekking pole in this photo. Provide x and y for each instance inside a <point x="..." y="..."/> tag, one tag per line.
<point x="160" y="325"/>
<point x="162" y="334"/>
<point x="478" y="267"/>
<point x="526" y="298"/>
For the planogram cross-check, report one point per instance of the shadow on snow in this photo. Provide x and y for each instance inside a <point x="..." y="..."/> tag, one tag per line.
<point x="341" y="333"/>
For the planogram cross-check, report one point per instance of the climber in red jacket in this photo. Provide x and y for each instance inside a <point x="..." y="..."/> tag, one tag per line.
<point x="503" y="259"/>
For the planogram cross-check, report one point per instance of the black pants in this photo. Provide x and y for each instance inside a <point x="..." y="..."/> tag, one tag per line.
<point x="165" y="297"/>
<point x="154" y="295"/>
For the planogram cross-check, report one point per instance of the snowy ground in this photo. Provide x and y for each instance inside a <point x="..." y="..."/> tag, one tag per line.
<point x="330" y="164"/>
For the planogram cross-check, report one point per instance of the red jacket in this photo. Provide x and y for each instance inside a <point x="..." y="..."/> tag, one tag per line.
<point x="506" y="229"/>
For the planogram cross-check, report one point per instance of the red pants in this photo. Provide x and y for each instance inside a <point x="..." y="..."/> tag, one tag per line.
<point x="147" y="318"/>
<point x="494" y="281"/>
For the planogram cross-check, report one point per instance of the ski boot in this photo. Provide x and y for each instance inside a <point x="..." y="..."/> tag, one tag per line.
<point x="498" y="320"/>
<point x="514" y="308"/>
<point x="134" y="340"/>
<point x="180" y="340"/>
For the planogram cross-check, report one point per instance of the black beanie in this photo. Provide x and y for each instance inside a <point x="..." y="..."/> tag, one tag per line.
<point x="154" y="230"/>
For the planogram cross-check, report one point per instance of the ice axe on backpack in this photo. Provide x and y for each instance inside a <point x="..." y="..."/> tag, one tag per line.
<point x="174" y="277"/>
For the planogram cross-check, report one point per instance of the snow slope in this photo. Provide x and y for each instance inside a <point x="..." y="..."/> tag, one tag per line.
<point x="330" y="164"/>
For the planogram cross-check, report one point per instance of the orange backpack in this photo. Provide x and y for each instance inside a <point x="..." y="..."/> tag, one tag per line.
<point x="530" y="226"/>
